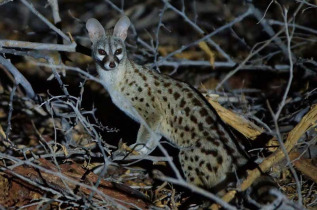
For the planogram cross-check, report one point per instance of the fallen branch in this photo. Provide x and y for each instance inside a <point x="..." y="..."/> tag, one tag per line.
<point x="304" y="165"/>
<point x="244" y="126"/>
<point x="49" y="180"/>
<point x="307" y="122"/>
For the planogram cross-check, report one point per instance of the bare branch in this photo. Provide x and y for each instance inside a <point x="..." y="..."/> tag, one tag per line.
<point x="49" y="24"/>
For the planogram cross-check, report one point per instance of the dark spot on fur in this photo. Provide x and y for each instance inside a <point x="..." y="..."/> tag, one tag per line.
<point x="219" y="160"/>
<point x="230" y="150"/>
<point x="176" y="95"/>
<point x="179" y="85"/>
<point x="196" y="158"/>
<point x="209" y="120"/>
<point x="185" y="90"/>
<point x="214" y="153"/>
<point x="139" y="89"/>
<point x="156" y="83"/>
<point x="220" y="132"/>
<point x="198" y="144"/>
<point x="193" y="119"/>
<point x="187" y="109"/>
<point x="210" y="152"/>
<point x="159" y="91"/>
<point x="224" y="139"/>
<point x="164" y="98"/>
<point x="200" y="126"/>
<point x="203" y="112"/>
<point x="182" y="103"/>
<point x="210" y="139"/>
<point x="167" y="84"/>
<point x="180" y="119"/>
<point x="185" y="157"/>
<point x="201" y="163"/>
<point x="197" y="171"/>
<point x="190" y="95"/>
<point x="196" y="102"/>
<point x="216" y="143"/>
<point x="131" y="83"/>
<point x="186" y="128"/>
<point x="209" y="167"/>
<point x="170" y="91"/>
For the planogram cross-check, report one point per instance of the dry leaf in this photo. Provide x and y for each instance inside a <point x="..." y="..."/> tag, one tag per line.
<point x="203" y="45"/>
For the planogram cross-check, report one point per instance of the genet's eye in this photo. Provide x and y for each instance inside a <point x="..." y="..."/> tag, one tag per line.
<point x="118" y="51"/>
<point x="101" y="52"/>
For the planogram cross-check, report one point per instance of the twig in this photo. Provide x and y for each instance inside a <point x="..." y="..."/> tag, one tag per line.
<point x="3" y="2"/>
<point x="49" y="59"/>
<point x="38" y="46"/>
<point x="276" y="22"/>
<point x="208" y="36"/>
<point x="19" y="78"/>
<point x="138" y="39"/>
<point x="159" y="25"/>
<point x="308" y="121"/>
<point x="230" y="74"/>
<point x="10" y="114"/>
<point x="196" y="189"/>
<point x="59" y="175"/>
<point x="219" y="64"/>
<point x="281" y="106"/>
<point x="55" y="10"/>
<point x="268" y="29"/>
<point x="199" y="30"/>
<point x="49" y="24"/>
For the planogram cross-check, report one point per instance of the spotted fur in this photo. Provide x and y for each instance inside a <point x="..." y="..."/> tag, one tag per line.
<point x="165" y="107"/>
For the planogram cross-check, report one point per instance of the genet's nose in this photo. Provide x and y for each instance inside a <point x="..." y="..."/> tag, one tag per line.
<point x="112" y="64"/>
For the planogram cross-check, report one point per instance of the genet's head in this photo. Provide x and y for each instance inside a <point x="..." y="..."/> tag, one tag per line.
<point x="108" y="49"/>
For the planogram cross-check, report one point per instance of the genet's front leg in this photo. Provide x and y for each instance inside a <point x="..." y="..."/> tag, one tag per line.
<point x="146" y="141"/>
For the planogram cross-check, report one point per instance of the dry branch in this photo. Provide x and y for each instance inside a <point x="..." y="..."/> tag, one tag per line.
<point x="306" y="123"/>
<point x="73" y="171"/>
<point x="304" y="165"/>
<point x="244" y="126"/>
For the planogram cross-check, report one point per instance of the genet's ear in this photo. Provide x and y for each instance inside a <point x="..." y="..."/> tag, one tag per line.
<point x="95" y="29"/>
<point x="121" y="28"/>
